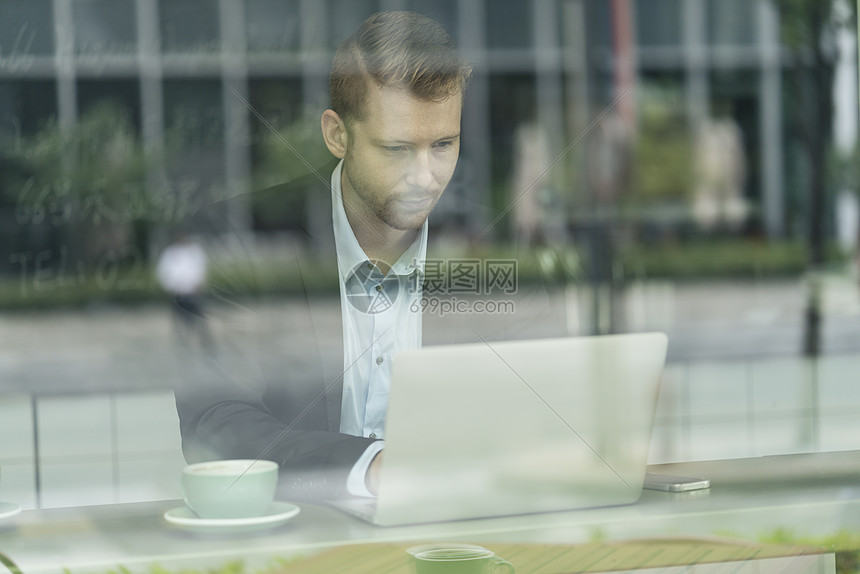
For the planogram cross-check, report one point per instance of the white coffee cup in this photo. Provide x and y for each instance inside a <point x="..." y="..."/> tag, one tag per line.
<point x="230" y="488"/>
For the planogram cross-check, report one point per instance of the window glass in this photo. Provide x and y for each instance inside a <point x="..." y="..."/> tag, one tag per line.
<point x="194" y="139"/>
<point x="26" y="27"/>
<point x="272" y="26"/>
<point x="509" y="24"/>
<point x="26" y="107"/>
<point x="344" y="16"/>
<point x="189" y="26"/>
<point x="622" y="216"/>
<point x="658" y="22"/>
<point x="121" y="94"/>
<point x="443" y="11"/>
<point x="732" y="22"/>
<point x="105" y="27"/>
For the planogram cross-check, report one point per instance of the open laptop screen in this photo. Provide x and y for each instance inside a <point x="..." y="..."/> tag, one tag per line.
<point x="493" y="429"/>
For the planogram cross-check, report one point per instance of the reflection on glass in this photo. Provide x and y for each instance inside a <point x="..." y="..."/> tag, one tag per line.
<point x="443" y="11"/>
<point x="194" y="145"/>
<point x="344" y="16"/>
<point x="658" y="22"/>
<point x="124" y="94"/>
<point x="732" y="23"/>
<point x="26" y="28"/>
<point x="273" y="26"/>
<point x="659" y="220"/>
<point x="189" y="26"/>
<point x="509" y="25"/>
<point x="104" y="27"/>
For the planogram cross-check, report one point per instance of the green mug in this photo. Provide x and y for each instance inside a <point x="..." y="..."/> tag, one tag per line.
<point x="460" y="561"/>
<point x="230" y="488"/>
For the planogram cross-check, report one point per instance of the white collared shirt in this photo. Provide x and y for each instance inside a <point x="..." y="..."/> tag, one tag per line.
<point x="379" y="318"/>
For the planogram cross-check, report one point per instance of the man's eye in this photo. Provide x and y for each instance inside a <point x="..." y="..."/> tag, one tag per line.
<point x="395" y="148"/>
<point x="443" y="145"/>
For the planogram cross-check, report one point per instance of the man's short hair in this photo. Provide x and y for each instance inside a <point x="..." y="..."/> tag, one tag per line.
<point x="396" y="49"/>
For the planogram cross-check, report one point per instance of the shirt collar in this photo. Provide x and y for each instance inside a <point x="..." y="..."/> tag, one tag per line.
<point x="349" y="252"/>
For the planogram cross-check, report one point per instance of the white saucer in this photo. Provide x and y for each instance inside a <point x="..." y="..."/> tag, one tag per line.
<point x="184" y="518"/>
<point x="9" y="509"/>
<point x="447" y="545"/>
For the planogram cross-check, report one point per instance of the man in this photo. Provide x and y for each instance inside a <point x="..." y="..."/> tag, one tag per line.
<point x="397" y="89"/>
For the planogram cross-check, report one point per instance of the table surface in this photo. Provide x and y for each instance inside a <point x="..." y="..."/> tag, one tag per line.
<point x="808" y="495"/>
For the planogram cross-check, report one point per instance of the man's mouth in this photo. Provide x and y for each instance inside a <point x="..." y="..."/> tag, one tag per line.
<point x="415" y="202"/>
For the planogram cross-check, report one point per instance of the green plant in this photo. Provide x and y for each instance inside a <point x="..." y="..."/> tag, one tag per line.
<point x="663" y="149"/>
<point x="729" y="258"/>
<point x="91" y="173"/>
<point x="9" y="564"/>
<point x="844" y="544"/>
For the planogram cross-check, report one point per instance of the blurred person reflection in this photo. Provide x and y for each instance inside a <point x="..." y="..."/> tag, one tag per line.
<point x="397" y="87"/>
<point x="181" y="272"/>
<point x="610" y="158"/>
<point x="720" y="173"/>
<point x="531" y="159"/>
<point x="539" y="214"/>
<point x="609" y="170"/>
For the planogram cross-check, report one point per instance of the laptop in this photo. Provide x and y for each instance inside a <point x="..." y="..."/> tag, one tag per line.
<point x="516" y="427"/>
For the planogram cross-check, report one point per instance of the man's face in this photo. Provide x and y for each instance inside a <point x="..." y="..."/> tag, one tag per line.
<point x="400" y="157"/>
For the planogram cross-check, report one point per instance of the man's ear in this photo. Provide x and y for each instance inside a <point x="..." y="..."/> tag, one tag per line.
<point x="334" y="133"/>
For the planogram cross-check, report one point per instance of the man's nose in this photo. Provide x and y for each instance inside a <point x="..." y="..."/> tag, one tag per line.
<point x="420" y="173"/>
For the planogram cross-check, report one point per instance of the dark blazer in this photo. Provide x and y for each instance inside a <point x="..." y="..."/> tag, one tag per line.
<point x="236" y="401"/>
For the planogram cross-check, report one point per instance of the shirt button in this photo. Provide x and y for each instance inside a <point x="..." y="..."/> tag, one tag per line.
<point x="372" y="435"/>
<point x="379" y="360"/>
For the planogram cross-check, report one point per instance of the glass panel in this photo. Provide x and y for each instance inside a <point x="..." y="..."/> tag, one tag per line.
<point x="272" y="25"/>
<point x="189" y="26"/>
<point x="509" y="24"/>
<point x="643" y="231"/>
<point x="273" y="162"/>
<point x="735" y="103"/>
<point x="104" y="27"/>
<point x="732" y="22"/>
<point x="443" y="11"/>
<point x="123" y="95"/>
<point x="26" y="28"/>
<point x="512" y="104"/>
<point x="346" y="15"/>
<point x="658" y="22"/>
<point x="25" y="106"/>
<point x="194" y="113"/>
<point x="598" y="24"/>
<point x="662" y="146"/>
<point x="194" y="129"/>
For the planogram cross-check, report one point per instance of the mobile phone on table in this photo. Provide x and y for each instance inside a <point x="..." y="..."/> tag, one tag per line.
<point x="674" y="482"/>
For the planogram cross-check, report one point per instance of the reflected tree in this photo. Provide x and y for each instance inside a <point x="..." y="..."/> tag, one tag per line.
<point x="82" y="186"/>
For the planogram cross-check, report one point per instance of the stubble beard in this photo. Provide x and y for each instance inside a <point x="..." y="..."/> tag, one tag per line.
<point x="401" y="221"/>
<point x="386" y="210"/>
